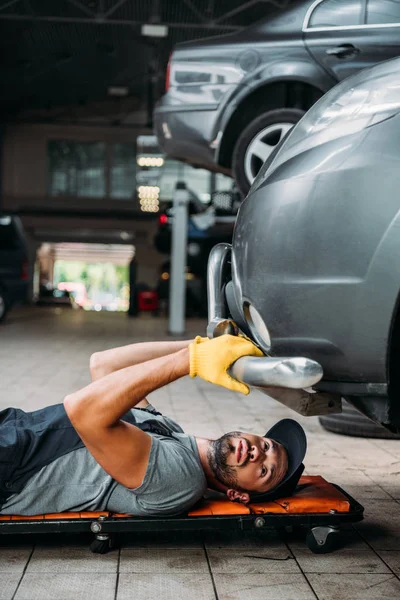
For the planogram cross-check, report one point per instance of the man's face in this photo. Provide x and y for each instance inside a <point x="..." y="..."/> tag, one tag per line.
<point x="249" y="462"/>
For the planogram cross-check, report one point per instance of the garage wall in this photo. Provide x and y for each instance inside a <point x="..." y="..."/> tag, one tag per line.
<point x="25" y="193"/>
<point x="25" y="153"/>
<point x="24" y="161"/>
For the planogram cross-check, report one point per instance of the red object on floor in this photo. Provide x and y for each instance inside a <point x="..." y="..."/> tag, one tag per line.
<point x="147" y="301"/>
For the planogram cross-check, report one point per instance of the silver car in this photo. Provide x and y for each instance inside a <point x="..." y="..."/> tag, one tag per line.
<point x="230" y="99"/>
<point x="314" y="271"/>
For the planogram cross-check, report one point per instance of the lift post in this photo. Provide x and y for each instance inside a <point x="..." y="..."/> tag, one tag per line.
<point x="177" y="288"/>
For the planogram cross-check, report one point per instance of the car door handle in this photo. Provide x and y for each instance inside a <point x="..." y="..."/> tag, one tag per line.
<point x="343" y="51"/>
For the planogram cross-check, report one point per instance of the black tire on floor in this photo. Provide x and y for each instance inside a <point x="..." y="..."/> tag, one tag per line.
<point x="351" y="422"/>
<point x="272" y="117"/>
<point x="3" y="305"/>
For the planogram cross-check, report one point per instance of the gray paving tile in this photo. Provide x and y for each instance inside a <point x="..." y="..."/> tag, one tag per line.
<point x="173" y="586"/>
<point x="252" y="560"/>
<point x="364" y="493"/>
<point x="63" y="344"/>
<point x="162" y="560"/>
<point x="71" y="559"/>
<point x="168" y="539"/>
<point x="238" y="539"/>
<point x="381" y="531"/>
<point x="8" y="585"/>
<point x="391" y="558"/>
<point x="263" y="587"/>
<point x="14" y="559"/>
<point x="355" y="587"/>
<point x="342" y="561"/>
<point x="392" y="490"/>
<point x="67" y="586"/>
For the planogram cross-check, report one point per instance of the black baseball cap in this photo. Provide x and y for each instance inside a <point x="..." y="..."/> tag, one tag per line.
<point x="291" y="435"/>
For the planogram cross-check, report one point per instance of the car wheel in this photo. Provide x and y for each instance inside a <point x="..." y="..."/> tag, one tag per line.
<point x="351" y="422"/>
<point x="257" y="142"/>
<point x="3" y="306"/>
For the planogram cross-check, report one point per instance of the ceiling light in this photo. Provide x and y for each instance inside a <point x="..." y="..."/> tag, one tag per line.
<point x="152" y="30"/>
<point x="150" y="161"/>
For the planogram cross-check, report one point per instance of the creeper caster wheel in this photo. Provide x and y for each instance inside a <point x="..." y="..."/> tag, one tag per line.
<point x="322" y="540"/>
<point x="102" y="544"/>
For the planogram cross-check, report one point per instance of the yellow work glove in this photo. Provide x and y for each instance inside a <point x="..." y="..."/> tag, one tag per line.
<point x="200" y="340"/>
<point x="211" y="360"/>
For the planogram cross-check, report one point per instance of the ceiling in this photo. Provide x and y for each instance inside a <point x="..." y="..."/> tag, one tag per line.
<point x="58" y="55"/>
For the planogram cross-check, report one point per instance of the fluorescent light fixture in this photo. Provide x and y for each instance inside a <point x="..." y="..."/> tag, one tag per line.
<point x="150" y="161"/>
<point x="151" y="30"/>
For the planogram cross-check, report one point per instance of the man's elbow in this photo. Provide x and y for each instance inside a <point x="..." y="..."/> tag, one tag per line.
<point x="71" y="406"/>
<point x="77" y="414"/>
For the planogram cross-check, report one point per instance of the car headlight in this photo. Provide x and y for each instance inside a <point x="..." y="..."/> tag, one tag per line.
<point x="258" y="328"/>
<point x="360" y="101"/>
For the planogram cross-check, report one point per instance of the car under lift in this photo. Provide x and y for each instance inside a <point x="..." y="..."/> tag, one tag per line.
<point x="317" y="506"/>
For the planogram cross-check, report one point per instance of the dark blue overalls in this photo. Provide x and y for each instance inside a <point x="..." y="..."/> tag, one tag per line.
<point x="32" y="440"/>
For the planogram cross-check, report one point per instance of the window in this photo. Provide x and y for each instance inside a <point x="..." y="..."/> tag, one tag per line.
<point x="223" y="183"/>
<point x="383" y="11"/>
<point x="123" y="171"/>
<point x="76" y="168"/>
<point x="336" y="13"/>
<point x="198" y="181"/>
<point x="161" y="176"/>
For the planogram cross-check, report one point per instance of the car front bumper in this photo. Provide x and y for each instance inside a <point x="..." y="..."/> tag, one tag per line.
<point x="286" y="379"/>
<point x="188" y="134"/>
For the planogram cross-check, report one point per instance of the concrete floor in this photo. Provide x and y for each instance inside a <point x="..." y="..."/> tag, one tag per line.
<point x="44" y="354"/>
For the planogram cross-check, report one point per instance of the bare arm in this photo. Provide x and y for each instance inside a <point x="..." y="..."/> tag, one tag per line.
<point x="95" y="411"/>
<point x="108" y="361"/>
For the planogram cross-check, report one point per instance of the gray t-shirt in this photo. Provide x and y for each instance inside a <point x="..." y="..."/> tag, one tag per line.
<point x="173" y="482"/>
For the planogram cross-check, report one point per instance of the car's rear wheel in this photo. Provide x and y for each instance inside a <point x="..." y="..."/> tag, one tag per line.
<point x="258" y="141"/>
<point x="351" y="422"/>
<point x="3" y="305"/>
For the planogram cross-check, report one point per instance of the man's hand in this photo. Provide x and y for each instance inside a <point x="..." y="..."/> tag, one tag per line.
<point x="211" y="359"/>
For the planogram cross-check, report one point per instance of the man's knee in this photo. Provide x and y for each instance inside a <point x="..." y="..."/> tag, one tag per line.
<point x="95" y="366"/>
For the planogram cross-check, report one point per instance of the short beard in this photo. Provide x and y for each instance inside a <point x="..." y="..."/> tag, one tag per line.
<point x="217" y="455"/>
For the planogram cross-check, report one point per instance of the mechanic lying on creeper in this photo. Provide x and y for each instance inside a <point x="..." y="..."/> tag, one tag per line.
<point x="107" y="448"/>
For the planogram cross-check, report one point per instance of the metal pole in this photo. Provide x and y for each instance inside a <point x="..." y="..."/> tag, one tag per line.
<point x="177" y="288"/>
<point x="133" y="309"/>
<point x="213" y="183"/>
<point x="2" y="130"/>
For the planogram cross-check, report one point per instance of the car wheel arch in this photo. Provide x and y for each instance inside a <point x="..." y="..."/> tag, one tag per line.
<point x="393" y="354"/>
<point x="284" y="93"/>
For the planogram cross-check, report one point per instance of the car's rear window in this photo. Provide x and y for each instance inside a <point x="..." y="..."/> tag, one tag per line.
<point x="336" y="13"/>
<point x="383" y="11"/>
<point x="9" y="235"/>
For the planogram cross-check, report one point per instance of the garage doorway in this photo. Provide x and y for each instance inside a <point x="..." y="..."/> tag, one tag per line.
<point x="94" y="276"/>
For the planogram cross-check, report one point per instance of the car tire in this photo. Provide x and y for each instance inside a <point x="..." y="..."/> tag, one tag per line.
<point x="265" y="132"/>
<point x="3" y="305"/>
<point x="351" y="422"/>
